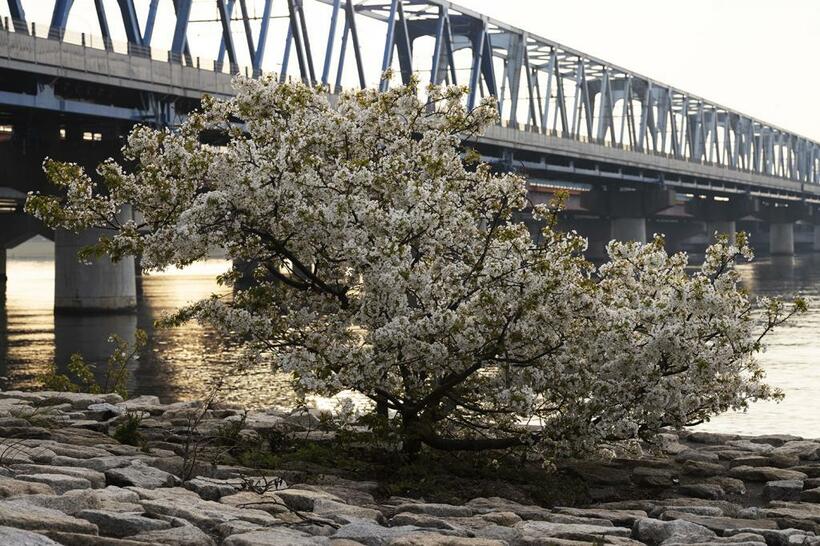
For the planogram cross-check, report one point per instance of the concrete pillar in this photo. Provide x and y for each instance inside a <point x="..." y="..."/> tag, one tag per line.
<point x="726" y="227"/>
<point x="629" y="229"/>
<point x="816" y="247"/>
<point x="2" y="265"/>
<point x="596" y="250"/>
<point x="102" y="286"/>
<point x="781" y="238"/>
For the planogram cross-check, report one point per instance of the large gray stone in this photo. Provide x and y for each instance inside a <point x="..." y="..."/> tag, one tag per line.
<point x="744" y="539"/>
<point x="570" y="531"/>
<point x="68" y="450"/>
<point x="78" y="400"/>
<point x="100" y="464"/>
<point x="733" y="486"/>
<point x="179" y="493"/>
<point x="765" y="474"/>
<point x="211" y="489"/>
<point x="697" y="455"/>
<point x="752" y="447"/>
<point x="187" y="535"/>
<point x="79" y="539"/>
<point x="483" y="505"/>
<point x="371" y="534"/>
<point x="275" y="537"/>
<point x="421" y="520"/>
<point x="103" y="411"/>
<point x="784" y="490"/>
<point x="140" y="474"/>
<point x="804" y="449"/>
<point x="303" y="499"/>
<point x="207" y="515"/>
<point x="19" y="537"/>
<point x="703" y="468"/>
<point x="432" y="539"/>
<point x="111" y="498"/>
<point x="95" y="478"/>
<point x="10" y="487"/>
<point x="652" y="477"/>
<point x="774" y="537"/>
<point x="269" y="502"/>
<point x="809" y="495"/>
<point x="695" y="510"/>
<point x="702" y="491"/>
<point x="345" y="513"/>
<point x="720" y="524"/>
<point x="60" y="483"/>
<point x="617" y="517"/>
<point x="653" y="531"/>
<point x="434" y="509"/>
<point x="119" y="524"/>
<point x="29" y="516"/>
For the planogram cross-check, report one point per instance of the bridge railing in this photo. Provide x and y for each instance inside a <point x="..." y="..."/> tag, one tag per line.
<point x="93" y="41"/>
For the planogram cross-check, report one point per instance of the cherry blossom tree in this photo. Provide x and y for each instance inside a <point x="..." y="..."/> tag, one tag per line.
<point x="389" y="263"/>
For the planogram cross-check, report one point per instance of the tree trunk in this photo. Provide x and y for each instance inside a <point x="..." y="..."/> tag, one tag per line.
<point x="381" y="407"/>
<point x="411" y="442"/>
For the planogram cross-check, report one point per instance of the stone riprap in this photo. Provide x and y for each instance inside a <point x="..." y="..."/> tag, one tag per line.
<point x="65" y="480"/>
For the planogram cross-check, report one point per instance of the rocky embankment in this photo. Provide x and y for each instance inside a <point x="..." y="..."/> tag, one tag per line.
<point x="64" y="480"/>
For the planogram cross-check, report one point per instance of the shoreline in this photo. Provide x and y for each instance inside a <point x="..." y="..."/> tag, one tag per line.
<point x="65" y="480"/>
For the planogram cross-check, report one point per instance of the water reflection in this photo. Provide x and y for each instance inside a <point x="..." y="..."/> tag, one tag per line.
<point x="791" y="359"/>
<point x="178" y="364"/>
<point x="184" y="363"/>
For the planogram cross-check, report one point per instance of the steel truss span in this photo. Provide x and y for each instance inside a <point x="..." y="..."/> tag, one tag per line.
<point x="541" y="86"/>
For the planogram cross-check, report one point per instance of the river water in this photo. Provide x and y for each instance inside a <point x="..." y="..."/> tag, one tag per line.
<point x="188" y="362"/>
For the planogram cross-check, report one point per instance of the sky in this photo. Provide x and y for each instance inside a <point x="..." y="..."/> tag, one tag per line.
<point x="754" y="56"/>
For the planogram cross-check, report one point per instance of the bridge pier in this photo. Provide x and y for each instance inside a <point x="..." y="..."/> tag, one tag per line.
<point x="101" y="286"/>
<point x="781" y="238"/>
<point x="626" y="210"/>
<point x="628" y="229"/>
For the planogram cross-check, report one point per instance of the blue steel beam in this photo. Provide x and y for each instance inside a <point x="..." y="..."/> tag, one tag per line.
<point x="18" y="16"/>
<point x="387" y="58"/>
<point x="404" y="47"/>
<point x="227" y="8"/>
<point x="103" y="20"/>
<point x="479" y="41"/>
<point x="179" y="41"/>
<point x="350" y="23"/>
<point x="286" y="57"/>
<point x="331" y="36"/>
<point x="298" y="33"/>
<point x="435" y="69"/>
<point x="248" y="33"/>
<point x="298" y="4"/>
<point x="227" y="37"/>
<point x="59" y="18"/>
<point x="149" y="23"/>
<point x="263" y="38"/>
<point x="130" y="21"/>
